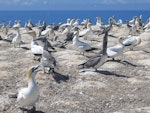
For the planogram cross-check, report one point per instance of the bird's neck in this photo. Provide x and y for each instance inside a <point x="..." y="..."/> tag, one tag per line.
<point x="105" y="40"/>
<point x="17" y="33"/>
<point x="75" y="39"/>
<point x="31" y="82"/>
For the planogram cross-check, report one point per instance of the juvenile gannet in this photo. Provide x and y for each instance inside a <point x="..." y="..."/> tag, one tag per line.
<point x="30" y="95"/>
<point x="99" y="59"/>
<point x="47" y="60"/>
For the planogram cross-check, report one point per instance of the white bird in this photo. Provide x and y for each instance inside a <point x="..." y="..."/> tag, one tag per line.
<point x="36" y="49"/>
<point x="116" y="50"/>
<point x="69" y="23"/>
<point x="17" y="39"/>
<point x="99" y="21"/>
<point x="82" y="45"/>
<point x="29" y="23"/>
<point x="119" y="23"/>
<point x="30" y="95"/>
<point x="86" y="32"/>
<point x="66" y="30"/>
<point x="132" y="41"/>
<point x="17" y="24"/>
<point x="45" y="32"/>
<point x="76" y="23"/>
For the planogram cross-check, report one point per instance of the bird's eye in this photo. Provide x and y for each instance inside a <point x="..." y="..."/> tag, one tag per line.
<point x="33" y="69"/>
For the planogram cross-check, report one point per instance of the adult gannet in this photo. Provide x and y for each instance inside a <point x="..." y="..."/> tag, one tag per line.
<point x="68" y="24"/>
<point x="29" y="23"/>
<point x="36" y="49"/>
<point x="47" y="60"/>
<point x="57" y="43"/>
<point x="8" y="26"/>
<point x="99" y="59"/>
<point x="30" y="95"/>
<point x="116" y="50"/>
<point x="119" y="23"/>
<point x="17" y="39"/>
<point x="86" y="32"/>
<point x="99" y="21"/>
<point x="66" y="30"/>
<point x="109" y="26"/>
<point x="17" y="24"/>
<point x="132" y="41"/>
<point x="82" y="45"/>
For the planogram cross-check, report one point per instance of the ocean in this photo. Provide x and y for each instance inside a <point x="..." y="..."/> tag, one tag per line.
<point x="61" y="16"/>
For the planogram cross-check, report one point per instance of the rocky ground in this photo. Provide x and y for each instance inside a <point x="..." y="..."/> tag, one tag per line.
<point x="118" y="86"/>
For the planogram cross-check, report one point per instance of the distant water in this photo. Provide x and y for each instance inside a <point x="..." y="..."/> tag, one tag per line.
<point x="61" y="16"/>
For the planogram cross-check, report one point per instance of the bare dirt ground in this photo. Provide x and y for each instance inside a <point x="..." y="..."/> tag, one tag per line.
<point x="118" y="87"/>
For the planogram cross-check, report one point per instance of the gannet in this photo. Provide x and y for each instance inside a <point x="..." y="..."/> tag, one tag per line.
<point x="47" y="60"/>
<point x="36" y="49"/>
<point x="29" y="23"/>
<point x="119" y="23"/>
<point x="70" y="23"/>
<point x="109" y="26"/>
<point x="57" y="43"/>
<point x="82" y="45"/>
<point x="17" y="24"/>
<point x="99" y="59"/>
<point x="9" y="25"/>
<point x="30" y="95"/>
<point x="66" y="30"/>
<point x="17" y="39"/>
<point x="99" y="21"/>
<point x="132" y="41"/>
<point x="116" y="50"/>
<point x="86" y="32"/>
<point x="76" y="23"/>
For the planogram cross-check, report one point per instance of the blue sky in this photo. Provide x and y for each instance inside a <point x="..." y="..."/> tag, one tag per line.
<point x="74" y="4"/>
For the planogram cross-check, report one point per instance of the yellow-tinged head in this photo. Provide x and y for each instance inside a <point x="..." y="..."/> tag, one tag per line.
<point x="120" y="40"/>
<point x="32" y="33"/>
<point x="32" y="71"/>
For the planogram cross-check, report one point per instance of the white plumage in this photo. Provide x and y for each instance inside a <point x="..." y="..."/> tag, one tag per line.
<point x="82" y="45"/>
<point x="29" y="96"/>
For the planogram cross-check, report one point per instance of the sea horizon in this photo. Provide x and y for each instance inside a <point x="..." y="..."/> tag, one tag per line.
<point x="57" y="16"/>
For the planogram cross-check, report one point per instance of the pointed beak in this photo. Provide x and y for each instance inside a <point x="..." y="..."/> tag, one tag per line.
<point x="36" y="68"/>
